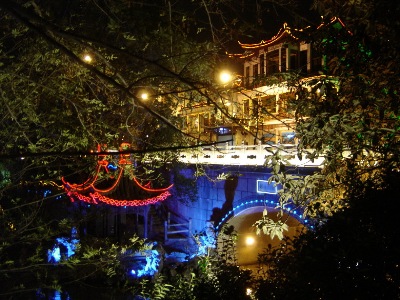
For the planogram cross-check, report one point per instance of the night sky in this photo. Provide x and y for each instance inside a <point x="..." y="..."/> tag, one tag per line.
<point x="262" y="20"/>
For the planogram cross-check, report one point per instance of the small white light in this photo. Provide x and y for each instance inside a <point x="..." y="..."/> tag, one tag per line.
<point x="144" y="96"/>
<point x="87" y="58"/>
<point x="225" y="77"/>
<point x="250" y="241"/>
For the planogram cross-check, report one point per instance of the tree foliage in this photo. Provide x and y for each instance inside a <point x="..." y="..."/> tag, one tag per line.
<point x="56" y="107"/>
<point x="353" y="255"/>
<point x="350" y="116"/>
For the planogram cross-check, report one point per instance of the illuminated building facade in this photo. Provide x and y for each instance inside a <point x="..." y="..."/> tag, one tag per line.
<point x="256" y="105"/>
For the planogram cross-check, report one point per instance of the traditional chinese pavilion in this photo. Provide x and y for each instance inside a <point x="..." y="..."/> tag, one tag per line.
<point x="115" y="184"/>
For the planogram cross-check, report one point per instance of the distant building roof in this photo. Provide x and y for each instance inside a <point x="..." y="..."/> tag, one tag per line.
<point x="285" y="33"/>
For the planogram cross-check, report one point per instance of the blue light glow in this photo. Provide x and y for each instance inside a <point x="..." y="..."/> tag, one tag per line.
<point x="266" y="187"/>
<point x="46" y="193"/>
<point x="112" y="167"/>
<point x="206" y="239"/>
<point x="270" y="203"/>
<point x="64" y="248"/>
<point x="145" y="263"/>
<point x="54" y="255"/>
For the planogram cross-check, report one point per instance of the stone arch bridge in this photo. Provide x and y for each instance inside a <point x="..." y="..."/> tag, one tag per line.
<point x="245" y="191"/>
<point x="239" y="201"/>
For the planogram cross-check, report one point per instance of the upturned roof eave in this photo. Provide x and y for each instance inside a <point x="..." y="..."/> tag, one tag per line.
<point x="283" y="33"/>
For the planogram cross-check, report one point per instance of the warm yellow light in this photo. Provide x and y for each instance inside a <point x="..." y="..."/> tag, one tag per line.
<point x="249" y="291"/>
<point x="87" y="58"/>
<point x="225" y="77"/>
<point x="250" y="241"/>
<point x="144" y="96"/>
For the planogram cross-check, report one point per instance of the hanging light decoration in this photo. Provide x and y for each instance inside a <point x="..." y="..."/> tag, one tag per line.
<point x="90" y="192"/>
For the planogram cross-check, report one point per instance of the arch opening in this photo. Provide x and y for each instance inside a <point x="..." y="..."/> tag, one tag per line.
<point x="249" y="244"/>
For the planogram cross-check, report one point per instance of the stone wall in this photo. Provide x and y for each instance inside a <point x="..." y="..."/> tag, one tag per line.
<point x="215" y="196"/>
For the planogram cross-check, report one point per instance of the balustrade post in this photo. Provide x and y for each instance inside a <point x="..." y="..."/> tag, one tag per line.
<point x="165" y="231"/>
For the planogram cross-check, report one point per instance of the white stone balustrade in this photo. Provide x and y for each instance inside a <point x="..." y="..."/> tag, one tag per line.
<point x="246" y="155"/>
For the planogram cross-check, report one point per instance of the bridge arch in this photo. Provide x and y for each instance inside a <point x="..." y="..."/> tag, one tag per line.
<point x="245" y="213"/>
<point x="270" y="202"/>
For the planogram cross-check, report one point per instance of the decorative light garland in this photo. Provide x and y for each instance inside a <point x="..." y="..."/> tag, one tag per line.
<point x="82" y="186"/>
<point x="95" y="198"/>
<point x="282" y="31"/>
<point x="279" y="35"/>
<point x="74" y="191"/>
<point x="147" y="188"/>
<point x="269" y="203"/>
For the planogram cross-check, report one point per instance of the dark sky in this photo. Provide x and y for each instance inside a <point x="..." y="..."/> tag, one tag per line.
<point x="270" y="17"/>
<point x="261" y="20"/>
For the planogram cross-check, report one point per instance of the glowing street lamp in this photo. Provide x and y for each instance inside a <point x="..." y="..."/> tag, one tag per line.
<point x="144" y="96"/>
<point x="225" y="77"/>
<point x="87" y="58"/>
<point x="250" y="241"/>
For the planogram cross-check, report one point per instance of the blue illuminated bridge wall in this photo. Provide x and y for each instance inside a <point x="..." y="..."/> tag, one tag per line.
<point x="220" y="200"/>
